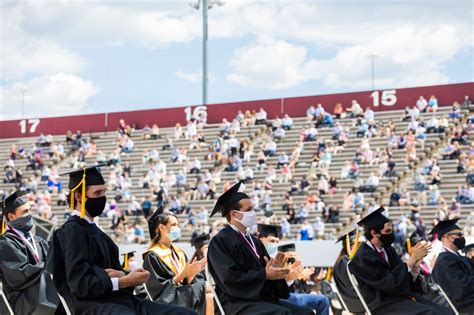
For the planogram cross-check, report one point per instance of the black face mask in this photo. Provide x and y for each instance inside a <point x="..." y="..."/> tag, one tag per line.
<point x="22" y="224"/>
<point x="460" y="243"/>
<point x="95" y="206"/>
<point x="387" y="239"/>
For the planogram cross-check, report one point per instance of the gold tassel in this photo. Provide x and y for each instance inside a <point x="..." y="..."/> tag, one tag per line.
<point x="329" y="274"/>
<point x="3" y="226"/>
<point x="125" y="262"/>
<point x="356" y="245"/>
<point x="83" y="195"/>
<point x="348" y="246"/>
<point x="409" y="249"/>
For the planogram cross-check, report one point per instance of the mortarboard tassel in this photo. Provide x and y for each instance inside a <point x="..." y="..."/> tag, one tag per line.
<point x="409" y="246"/>
<point x="3" y="225"/>
<point x="329" y="274"/>
<point x="83" y="195"/>
<point x="125" y="262"/>
<point x="348" y="246"/>
<point x="356" y="245"/>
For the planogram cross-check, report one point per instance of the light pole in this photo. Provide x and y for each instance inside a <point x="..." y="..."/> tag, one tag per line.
<point x="23" y="90"/>
<point x="206" y="5"/>
<point x="373" y="56"/>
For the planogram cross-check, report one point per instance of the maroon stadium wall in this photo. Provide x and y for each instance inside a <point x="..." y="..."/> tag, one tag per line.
<point x="294" y="106"/>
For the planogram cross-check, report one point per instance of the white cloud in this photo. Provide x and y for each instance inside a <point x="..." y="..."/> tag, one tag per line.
<point x="193" y="77"/>
<point x="407" y="56"/>
<point x="50" y="95"/>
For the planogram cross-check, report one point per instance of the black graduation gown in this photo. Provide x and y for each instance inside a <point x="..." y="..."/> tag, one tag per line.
<point x="455" y="274"/>
<point x="27" y="286"/>
<point x="163" y="290"/>
<point x="389" y="288"/>
<point x="80" y="253"/>
<point x="344" y="286"/>
<point x="240" y="278"/>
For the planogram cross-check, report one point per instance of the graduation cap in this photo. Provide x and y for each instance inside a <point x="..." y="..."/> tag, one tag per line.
<point x="373" y="219"/>
<point x="126" y="259"/>
<point x="9" y="205"/>
<point x="265" y="230"/>
<point x="229" y="199"/>
<point x="201" y="240"/>
<point x="346" y="242"/>
<point x="156" y="218"/>
<point x="444" y="227"/>
<point x="468" y="248"/>
<point x="82" y="178"/>
<point x="291" y="247"/>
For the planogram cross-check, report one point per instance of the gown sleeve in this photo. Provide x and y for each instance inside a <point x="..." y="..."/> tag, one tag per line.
<point x="85" y="279"/>
<point x="162" y="288"/>
<point x="396" y="281"/>
<point x="16" y="270"/>
<point x="456" y="283"/>
<point x="234" y="280"/>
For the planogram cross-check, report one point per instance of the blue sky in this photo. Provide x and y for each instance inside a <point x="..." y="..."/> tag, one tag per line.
<point x="103" y="55"/>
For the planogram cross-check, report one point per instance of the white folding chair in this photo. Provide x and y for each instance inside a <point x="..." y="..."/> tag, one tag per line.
<point x="355" y="284"/>
<point x="447" y="299"/>
<point x="212" y="285"/>
<point x="65" y="306"/>
<point x="339" y="296"/>
<point x="4" y="298"/>
<point x="147" y="292"/>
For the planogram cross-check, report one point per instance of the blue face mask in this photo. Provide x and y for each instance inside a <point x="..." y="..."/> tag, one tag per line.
<point x="22" y="224"/>
<point x="175" y="233"/>
<point x="272" y="248"/>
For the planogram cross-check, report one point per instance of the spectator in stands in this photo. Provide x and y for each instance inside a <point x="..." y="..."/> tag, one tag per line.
<point x="269" y="148"/>
<point x="455" y="113"/>
<point x="338" y="111"/>
<point x="369" y="114"/>
<point x="432" y="125"/>
<point x="309" y="134"/>
<point x="422" y="104"/>
<point x="287" y="122"/>
<point x="305" y="185"/>
<point x="432" y="104"/>
<point x="323" y="185"/>
<point x="318" y="227"/>
<point x="306" y="232"/>
<point x="127" y="144"/>
<point x="195" y="166"/>
<point x="371" y="184"/>
<point x="358" y="200"/>
<point x="261" y="117"/>
<point x="279" y="134"/>
<point x="178" y="131"/>
<point x="234" y="164"/>
<point x="434" y="195"/>
<point x="467" y="104"/>
<point x="355" y="110"/>
<point x="282" y="160"/>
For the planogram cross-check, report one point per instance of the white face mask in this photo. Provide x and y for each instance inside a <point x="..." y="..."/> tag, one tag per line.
<point x="175" y="233"/>
<point x="249" y="219"/>
<point x="272" y="249"/>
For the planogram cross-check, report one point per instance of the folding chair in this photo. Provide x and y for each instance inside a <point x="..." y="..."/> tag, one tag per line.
<point x="447" y="299"/>
<point x="355" y="284"/>
<point x="4" y="297"/>
<point x="65" y="306"/>
<point x="339" y="296"/>
<point x="212" y="285"/>
<point x="147" y="292"/>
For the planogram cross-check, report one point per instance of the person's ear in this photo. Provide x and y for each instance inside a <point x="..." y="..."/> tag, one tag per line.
<point x="77" y="197"/>
<point x="11" y="217"/>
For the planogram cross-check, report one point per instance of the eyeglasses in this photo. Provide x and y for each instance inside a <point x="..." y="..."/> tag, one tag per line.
<point x="459" y="234"/>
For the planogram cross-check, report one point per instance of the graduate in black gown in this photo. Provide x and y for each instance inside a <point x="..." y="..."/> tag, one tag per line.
<point x="388" y="285"/>
<point x="344" y="286"/>
<point x="85" y="261"/>
<point x="453" y="272"/>
<point x="173" y="279"/>
<point x="201" y="245"/>
<point x="247" y="280"/>
<point x="27" y="286"/>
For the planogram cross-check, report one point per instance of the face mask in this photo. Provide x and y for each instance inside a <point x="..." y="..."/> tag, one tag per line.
<point x="249" y="219"/>
<point x="175" y="233"/>
<point x="272" y="248"/>
<point x="132" y="265"/>
<point x="387" y="239"/>
<point x="95" y="206"/>
<point x="22" y="224"/>
<point x="460" y="243"/>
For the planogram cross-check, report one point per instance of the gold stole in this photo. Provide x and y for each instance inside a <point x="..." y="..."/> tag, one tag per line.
<point x="165" y="255"/>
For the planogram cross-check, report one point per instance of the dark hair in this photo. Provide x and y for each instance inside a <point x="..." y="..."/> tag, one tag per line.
<point x="163" y="219"/>
<point x="234" y="206"/>
<point x="377" y="228"/>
